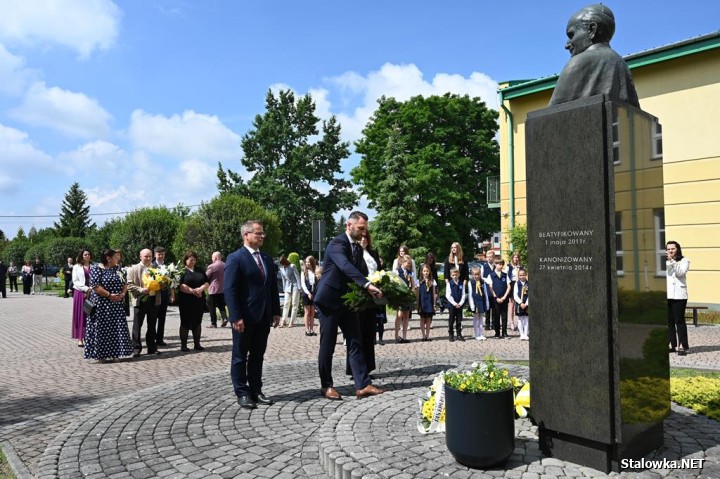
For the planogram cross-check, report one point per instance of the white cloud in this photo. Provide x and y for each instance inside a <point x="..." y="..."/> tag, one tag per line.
<point x="16" y="150"/>
<point x="96" y="157"/>
<point x="114" y="198"/>
<point x="9" y="185"/>
<point x="74" y="114"/>
<point x="194" y="180"/>
<point x="400" y="82"/>
<point x="82" y="25"/>
<point x="191" y="136"/>
<point x="14" y="76"/>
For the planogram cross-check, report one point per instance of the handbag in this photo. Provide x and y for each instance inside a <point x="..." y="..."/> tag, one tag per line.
<point x="89" y="307"/>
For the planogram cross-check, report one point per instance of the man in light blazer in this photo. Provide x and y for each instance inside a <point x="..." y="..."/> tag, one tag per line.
<point x="342" y="265"/>
<point x="143" y="305"/>
<point x="253" y="300"/>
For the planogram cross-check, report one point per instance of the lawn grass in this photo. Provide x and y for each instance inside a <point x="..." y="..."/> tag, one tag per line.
<point x="5" y="471"/>
<point x="708" y="317"/>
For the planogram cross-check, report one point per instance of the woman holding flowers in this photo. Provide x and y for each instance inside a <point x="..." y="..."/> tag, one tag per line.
<point x="107" y="336"/>
<point x="191" y="301"/>
<point x="367" y="318"/>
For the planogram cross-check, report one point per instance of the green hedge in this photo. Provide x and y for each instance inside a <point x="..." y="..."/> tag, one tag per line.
<point x="701" y="394"/>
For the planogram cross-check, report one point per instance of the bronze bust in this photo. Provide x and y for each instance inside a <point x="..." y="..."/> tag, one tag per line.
<point x="594" y="68"/>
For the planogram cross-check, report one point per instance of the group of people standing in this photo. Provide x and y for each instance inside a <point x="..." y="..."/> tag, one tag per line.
<point x="489" y="290"/>
<point x="103" y="293"/>
<point x="299" y="285"/>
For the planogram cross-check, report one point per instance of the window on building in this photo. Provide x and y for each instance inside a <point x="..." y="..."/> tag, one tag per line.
<point x="619" y="263"/>
<point x="661" y="254"/>
<point x="657" y="151"/>
<point x="616" y="136"/>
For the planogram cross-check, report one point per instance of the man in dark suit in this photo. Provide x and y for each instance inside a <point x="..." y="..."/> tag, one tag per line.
<point x="342" y="265"/>
<point x="252" y="297"/>
<point x="3" y="278"/>
<point x="67" y="276"/>
<point x="167" y="296"/>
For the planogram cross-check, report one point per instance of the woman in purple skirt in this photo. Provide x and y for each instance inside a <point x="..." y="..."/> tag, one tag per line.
<point x="81" y="287"/>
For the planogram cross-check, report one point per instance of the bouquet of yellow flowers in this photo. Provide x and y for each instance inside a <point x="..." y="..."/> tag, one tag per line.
<point x="395" y="293"/>
<point x="431" y="416"/>
<point x="162" y="277"/>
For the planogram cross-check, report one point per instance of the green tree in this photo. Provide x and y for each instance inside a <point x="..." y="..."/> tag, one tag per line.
<point x="101" y="238"/>
<point x="20" y="235"/>
<point x="216" y="226"/>
<point x="397" y="218"/>
<point x="145" y="228"/>
<point x="449" y="151"/>
<point x="15" y="251"/>
<point x="74" y="214"/>
<point x="37" y="236"/>
<point x="518" y="238"/>
<point x="58" y="250"/>
<point x="295" y="167"/>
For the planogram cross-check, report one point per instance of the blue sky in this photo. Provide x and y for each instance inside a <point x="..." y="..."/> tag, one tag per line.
<point x="138" y="100"/>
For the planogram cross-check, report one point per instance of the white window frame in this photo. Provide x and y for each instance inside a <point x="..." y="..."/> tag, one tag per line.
<point x="660" y="250"/>
<point x="616" y="137"/>
<point x="619" y="253"/>
<point x="656" y="141"/>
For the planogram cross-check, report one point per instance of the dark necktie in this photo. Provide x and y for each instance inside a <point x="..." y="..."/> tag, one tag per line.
<point x="356" y="254"/>
<point x="260" y="265"/>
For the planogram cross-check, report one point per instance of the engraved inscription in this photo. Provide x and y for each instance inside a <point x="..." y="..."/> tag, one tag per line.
<point x="567" y="259"/>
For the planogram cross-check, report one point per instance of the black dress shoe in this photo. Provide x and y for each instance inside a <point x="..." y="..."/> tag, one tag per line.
<point x="199" y="348"/>
<point x="260" y="398"/>
<point x="136" y="355"/>
<point x="672" y="350"/>
<point x="161" y="343"/>
<point x="185" y="349"/>
<point x="460" y="338"/>
<point x="246" y="403"/>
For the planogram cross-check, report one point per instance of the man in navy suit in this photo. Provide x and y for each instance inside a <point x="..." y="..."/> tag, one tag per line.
<point x="342" y="265"/>
<point x="252" y="297"/>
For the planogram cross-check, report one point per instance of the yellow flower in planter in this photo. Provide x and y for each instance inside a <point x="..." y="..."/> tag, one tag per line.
<point x="522" y="401"/>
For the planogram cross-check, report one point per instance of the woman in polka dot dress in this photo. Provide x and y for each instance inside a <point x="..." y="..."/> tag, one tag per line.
<point x="107" y="336"/>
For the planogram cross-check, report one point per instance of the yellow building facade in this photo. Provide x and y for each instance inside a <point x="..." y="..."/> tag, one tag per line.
<point x="680" y="85"/>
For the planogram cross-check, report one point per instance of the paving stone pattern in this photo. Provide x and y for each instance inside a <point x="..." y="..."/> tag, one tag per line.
<point x="175" y="415"/>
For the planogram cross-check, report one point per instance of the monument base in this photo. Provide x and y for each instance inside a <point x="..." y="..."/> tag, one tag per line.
<point x="601" y="456"/>
<point x="599" y="365"/>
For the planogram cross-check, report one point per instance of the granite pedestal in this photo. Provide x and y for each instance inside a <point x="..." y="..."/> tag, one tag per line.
<point x="599" y="372"/>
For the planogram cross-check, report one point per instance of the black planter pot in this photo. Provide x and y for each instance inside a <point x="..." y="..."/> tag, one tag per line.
<point x="479" y="427"/>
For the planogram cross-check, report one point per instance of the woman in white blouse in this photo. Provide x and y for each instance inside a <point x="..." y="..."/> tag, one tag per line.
<point x="677" y="267"/>
<point x="81" y="290"/>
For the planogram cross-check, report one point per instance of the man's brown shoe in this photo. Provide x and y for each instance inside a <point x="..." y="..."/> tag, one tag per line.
<point x="368" y="390"/>
<point x="330" y="393"/>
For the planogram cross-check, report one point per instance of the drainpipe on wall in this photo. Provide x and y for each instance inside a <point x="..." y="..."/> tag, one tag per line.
<point x="511" y="150"/>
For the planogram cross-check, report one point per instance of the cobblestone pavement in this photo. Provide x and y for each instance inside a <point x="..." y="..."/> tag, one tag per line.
<point x="175" y="414"/>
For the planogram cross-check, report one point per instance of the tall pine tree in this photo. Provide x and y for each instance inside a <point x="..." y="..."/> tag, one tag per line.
<point x="396" y="203"/>
<point x="74" y="214"/>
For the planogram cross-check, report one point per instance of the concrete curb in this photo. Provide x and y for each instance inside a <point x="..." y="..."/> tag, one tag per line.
<point x="18" y="467"/>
